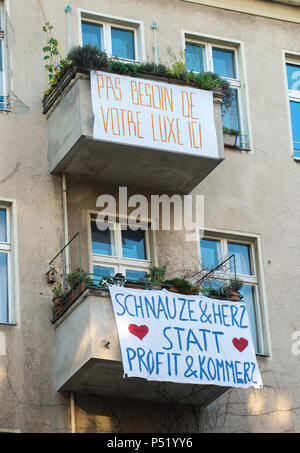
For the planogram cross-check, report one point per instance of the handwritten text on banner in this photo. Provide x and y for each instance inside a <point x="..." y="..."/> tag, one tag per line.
<point x="166" y="336"/>
<point x="153" y="114"/>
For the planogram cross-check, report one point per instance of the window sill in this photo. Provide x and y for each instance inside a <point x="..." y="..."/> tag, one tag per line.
<point x="236" y="148"/>
<point x="232" y="141"/>
<point x="262" y="354"/>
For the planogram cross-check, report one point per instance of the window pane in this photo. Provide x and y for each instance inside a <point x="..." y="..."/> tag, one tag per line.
<point x="122" y="42"/>
<point x="133" y="244"/>
<point x="293" y="76"/>
<point x="231" y="114"/>
<point x="224" y="63"/>
<point x="215" y="284"/>
<point x="3" y="228"/>
<point x="101" y="271"/>
<point x="103" y="242"/>
<point x="295" y="118"/>
<point x="248" y="292"/>
<point x="3" y="288"/>
<point x="242" y="258"/>
<point x="92" y="34"/>
<point x="135" y="275"/>
<point x="211" y="254"/>
<point x="194" y="57"/>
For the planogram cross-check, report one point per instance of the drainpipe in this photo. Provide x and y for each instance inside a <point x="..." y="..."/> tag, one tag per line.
<point x="156" y="55"/>
<point x="72" y="407"/>
<point x="67" y="271"/>
<point x="65" y="222"/>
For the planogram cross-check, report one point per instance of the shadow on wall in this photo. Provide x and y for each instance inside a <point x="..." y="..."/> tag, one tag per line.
<point x="110" y="415"/>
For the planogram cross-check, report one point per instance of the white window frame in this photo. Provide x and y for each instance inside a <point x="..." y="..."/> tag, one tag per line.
<point x="239" y="83"/>
<point x="3" y="106"/>
<point x="9" y="247"/>
<point x="107" y="21"/>
<point x="256" y="279"/>
<point x="118" y="262"/>
<point x="292" y="95"/>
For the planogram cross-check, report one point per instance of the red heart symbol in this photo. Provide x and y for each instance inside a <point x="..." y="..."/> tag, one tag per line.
<point x="240" y="344"/>
<point x="138" y="331"/>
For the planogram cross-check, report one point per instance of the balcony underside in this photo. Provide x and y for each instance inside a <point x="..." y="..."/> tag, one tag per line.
<point x="105" y="378"/>
<point x="85" y="365"/>
<point x="133" y="166"/>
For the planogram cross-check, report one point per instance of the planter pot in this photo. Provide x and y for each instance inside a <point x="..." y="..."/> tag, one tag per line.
<point x="173" y="289"/>
<point x="156" y="286"/>
<point x="235" y="295"/>
<point x="133" y="285"/>
<point x="231" y="140"/>
<point x="56" y="300"/>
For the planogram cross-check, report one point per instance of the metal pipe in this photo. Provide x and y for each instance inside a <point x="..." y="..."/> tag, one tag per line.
<point x="65" y="222"/>
<point x="72" y="411"/>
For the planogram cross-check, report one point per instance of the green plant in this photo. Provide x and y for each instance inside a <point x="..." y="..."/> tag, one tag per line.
<point x="224" y="291"/>
<point x="77" y="277"/>
<point x="184" y="286"/>
<point x="88" y="57"/>
<point x="235" y="284"/>
<point x="55" y="64"/>
<point x="156" y="274"/>
<point x="231" y="131"/>
<point x="57" y="290"/>
<point x="178" y="70"/>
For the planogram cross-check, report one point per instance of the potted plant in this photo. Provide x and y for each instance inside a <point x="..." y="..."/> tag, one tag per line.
<point x="78" y="282"/>
<point x="57" y="292"/>
<point x="156" y="275"/>
<point x="235" y="285"/>
<point x="180" y="285"/>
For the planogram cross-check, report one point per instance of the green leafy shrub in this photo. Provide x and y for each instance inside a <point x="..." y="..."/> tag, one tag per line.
<point x="156" y="274"/>
<point x="77" y="277"/>
<point x="88" y="57"/>
<point x="57" y="291"/>
<point x="184" y="286"/>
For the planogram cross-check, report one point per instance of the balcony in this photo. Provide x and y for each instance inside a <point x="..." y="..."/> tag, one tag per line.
<point x="88" y="358"/>
<point x="73" y="150"/>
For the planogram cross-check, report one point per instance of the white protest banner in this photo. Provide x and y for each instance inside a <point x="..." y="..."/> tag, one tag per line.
<point x="150" y="114"/>
<point x="166" y="336"/>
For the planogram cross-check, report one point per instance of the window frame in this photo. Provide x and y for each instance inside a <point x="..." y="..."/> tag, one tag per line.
<point x="7" y="247"/>
<point x="239" y="83"/>
<point x="4" y="104"/>
<point x="118" y="262"/>
<point x="292" y="96"/>
<point x="256" y="279"/>
<point x="108" y="21"/>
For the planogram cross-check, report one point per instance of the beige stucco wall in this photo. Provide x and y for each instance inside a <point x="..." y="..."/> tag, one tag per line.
<point x="250" y="192"/>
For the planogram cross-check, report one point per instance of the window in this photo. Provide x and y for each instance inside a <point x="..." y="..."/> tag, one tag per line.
<point x="118" y="37"/>
<point x="293" y="80"/>
<point x="214" y="250"/>
<point x="3" y="98"/>
<point x="5" y="266"/>
<point x="224" y="60"/>
<point x="117" y="249"/>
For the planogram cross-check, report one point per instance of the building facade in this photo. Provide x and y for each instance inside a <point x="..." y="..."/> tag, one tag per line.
<point x="51" y="177"/>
